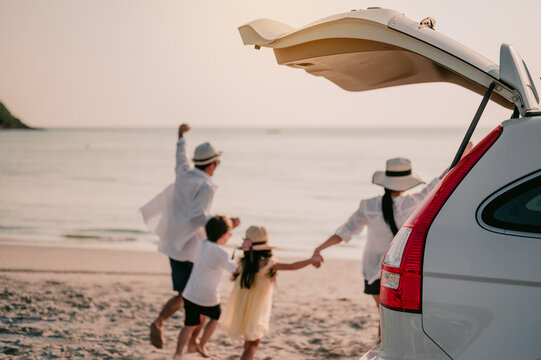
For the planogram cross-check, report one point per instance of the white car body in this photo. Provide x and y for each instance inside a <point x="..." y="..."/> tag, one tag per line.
<point x="462" y="278"/>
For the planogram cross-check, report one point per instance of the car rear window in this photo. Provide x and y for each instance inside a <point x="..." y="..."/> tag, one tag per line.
<point x="516" y="208"/>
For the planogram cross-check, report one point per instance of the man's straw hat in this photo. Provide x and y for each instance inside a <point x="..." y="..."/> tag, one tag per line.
<point x="205" y="154"/>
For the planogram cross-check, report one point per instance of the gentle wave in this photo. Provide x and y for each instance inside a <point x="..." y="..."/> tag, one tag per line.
<point x="99" y="238"/>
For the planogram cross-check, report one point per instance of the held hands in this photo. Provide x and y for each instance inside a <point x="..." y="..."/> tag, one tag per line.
<point x="317" y="254"/>
<point x="316" y="260"/>
<point x="182" y="129"/>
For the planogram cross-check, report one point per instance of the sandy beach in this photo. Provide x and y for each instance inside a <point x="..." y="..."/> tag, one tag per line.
<point x="69" y="303"/>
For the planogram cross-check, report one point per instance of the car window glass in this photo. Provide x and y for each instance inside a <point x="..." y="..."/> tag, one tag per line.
<point x="534" y="204"/>
<point x="517" y="208"/>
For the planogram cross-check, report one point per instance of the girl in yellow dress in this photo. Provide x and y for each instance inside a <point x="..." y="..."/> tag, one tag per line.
<point x="248" y="310"/>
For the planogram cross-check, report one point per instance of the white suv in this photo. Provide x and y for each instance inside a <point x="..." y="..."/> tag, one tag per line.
<point x="462" y="278"/>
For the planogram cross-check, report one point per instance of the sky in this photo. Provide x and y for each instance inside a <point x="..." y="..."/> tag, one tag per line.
<point x="156" y="63"/>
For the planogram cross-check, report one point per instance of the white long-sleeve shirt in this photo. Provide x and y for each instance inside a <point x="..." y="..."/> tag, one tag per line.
<point x="179" y="213"/>
<point x="378" y="233"/>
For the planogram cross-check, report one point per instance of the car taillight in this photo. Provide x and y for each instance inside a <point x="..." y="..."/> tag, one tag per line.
<point x="402" y="266"/>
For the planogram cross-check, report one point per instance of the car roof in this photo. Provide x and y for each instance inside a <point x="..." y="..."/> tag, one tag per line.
<point x="376" y="48"/>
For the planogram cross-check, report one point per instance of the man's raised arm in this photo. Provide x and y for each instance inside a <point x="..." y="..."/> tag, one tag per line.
<point x="183" y="163"/>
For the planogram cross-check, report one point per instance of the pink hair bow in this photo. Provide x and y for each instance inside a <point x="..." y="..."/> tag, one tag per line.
<point x="246" y="244"/>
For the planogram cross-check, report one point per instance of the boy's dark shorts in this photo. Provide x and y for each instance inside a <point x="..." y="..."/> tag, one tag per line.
<point x="372" y="289"/>
<point x="180" y="272"/>
<point x="194" y="312"/>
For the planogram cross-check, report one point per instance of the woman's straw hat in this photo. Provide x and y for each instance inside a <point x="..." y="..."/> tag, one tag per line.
<point x="397" y="175"/>
<point x="256" y="238"/>
<point x="205" y="154"/>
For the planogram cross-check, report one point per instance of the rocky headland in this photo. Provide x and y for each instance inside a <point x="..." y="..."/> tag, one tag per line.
<point x="8" y="121"/>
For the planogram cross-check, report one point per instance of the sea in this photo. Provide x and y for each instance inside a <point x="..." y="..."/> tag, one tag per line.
<point x="84" y="187"/>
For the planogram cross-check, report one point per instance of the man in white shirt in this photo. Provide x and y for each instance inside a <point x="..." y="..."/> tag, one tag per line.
<point x="178" y="216"/>
<point x="201" y="296"/>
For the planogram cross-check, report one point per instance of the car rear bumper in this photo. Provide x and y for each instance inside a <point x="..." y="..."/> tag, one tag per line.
<point x="402" y="337"/>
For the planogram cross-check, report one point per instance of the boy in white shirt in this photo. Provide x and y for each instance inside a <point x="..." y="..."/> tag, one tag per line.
<point x="201" y="296"/>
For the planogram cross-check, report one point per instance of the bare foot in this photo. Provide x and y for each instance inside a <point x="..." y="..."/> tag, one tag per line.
<point x="192" y="346"/>
<point x="156" y="337"/>
<point x="203" y="350"/>
<point x="177" y="357"/>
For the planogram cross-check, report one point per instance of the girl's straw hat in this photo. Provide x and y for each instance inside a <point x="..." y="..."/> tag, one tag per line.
<point x="397" y="175"/>
<point x="256" y="239"/>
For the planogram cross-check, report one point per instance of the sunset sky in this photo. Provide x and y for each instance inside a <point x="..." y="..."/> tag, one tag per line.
<point x="135" y="63"/>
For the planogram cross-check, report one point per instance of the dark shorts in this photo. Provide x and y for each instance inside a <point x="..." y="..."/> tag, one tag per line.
<point x="180" y="272"/>
<point x="372" y="289"/>
<point x="194" y="312"/>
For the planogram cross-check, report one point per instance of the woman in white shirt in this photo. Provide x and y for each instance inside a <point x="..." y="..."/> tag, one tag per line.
<point x="382" y="216"/>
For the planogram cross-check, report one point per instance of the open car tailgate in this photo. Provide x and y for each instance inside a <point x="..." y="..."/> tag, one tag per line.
<point x="377" y="48"/>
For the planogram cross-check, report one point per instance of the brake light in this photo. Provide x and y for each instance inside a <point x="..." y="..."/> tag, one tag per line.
<point x="402" y="267"/>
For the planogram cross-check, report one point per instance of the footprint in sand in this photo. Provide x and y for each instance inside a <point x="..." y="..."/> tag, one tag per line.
<point x="358" y="323"/>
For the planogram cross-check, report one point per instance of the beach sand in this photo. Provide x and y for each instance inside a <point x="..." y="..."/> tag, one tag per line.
<point x="72" y="303"/>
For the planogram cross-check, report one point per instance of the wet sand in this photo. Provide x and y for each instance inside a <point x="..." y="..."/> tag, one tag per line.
<point x="68" y="303"/>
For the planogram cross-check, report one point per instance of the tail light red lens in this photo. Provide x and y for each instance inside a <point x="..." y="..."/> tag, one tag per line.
<point x="401" y="276"/>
